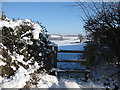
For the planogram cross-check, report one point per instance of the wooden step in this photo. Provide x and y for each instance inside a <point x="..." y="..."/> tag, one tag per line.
<point x="71" y="71"/>
<point x="81" y="61"/>
<point x="71" y="51"/>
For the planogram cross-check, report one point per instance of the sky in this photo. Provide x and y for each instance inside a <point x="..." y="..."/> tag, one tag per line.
<point x="58" y="17"/>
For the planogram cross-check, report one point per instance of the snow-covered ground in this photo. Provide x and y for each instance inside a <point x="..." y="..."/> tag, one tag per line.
<point x="31" y="78"/>
<point x="69" y="80"/>
<point x="76" y="80"/>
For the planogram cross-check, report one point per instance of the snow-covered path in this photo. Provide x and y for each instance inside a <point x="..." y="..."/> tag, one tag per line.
<point x="64" y="81"/>
<point x="72" y="80"/>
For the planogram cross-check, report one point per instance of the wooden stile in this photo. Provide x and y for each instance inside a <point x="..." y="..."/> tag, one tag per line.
<point x="56" y="51"/>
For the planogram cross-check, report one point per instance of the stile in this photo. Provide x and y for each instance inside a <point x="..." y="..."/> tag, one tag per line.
<point x="56" y="51"/>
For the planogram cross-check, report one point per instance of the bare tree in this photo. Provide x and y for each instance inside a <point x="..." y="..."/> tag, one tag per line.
<point x="102" y="21"/>
<point x="80" y="36"/>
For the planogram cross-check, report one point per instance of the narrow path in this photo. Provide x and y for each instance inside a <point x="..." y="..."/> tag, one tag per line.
<point x="64" y="81"/>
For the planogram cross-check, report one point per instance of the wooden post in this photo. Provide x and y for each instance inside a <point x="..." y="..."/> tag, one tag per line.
<point x="50" y="57"/>
<point x="87" y="60"/>
<point x="87" y="65"/>
<point x="55" y="56"/>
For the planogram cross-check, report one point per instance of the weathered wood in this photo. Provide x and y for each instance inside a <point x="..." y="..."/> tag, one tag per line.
<point x="55" y="56"/>
<point x="87" y="65"/>
<point x="80" y="61"/>
<point x="50" y="57"/>
<point x="71" y="51"/>
<point x="87" y="60"/>
<point x="72" y="71"/>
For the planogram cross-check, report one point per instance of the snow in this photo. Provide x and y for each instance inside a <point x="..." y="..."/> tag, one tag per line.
<point x="2" y="63"/>
<point x="64" y="40"/>
<point x="60" y="81"/>
<point x="77" y="80"/>
<point x="40" y="54"/>
<point x="7" y="24"/>
<point x="20" y="58"/>
<point x="13" y="67"/>
<point x="64" y="83"/>
<point x="47" y="81"/>
<point x="27" y="40"/>
<point x="20" y="78"/>
<point x="26" y="33"/>
<point x="55" y="36"/>
<point x="27" y="20"/>
<point x="22" y="75"/>
<point x="37" y="31"/>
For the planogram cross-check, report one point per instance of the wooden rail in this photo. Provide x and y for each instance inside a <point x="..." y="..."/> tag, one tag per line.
<point x="74" y="71"/>
<point x="80" y="61"/>
<point x="71" y="51"/>
<point x="74" y="51"/>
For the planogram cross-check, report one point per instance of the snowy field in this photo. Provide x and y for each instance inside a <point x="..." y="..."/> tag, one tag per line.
<point x="64" y="40"/>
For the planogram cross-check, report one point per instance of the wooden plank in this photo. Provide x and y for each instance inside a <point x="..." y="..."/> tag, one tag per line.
<point x="80" y="61"/>
<point x="55" y="56"/>
<point x="71" y="51"/>
<point x="73" y="71"/>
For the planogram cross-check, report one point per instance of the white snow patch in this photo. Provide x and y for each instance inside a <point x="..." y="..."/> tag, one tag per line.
<point x="47" y="81"/>
<point x="18" y="80"/>
<point x="40" y="54"/>
<point x="37" y="31"/>
<point x="13" y="67"/>
<point x="2" y="63"/>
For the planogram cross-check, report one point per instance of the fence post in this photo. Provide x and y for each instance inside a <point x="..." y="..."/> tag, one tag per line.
<point x="87" y="65"/>
<point x="55" y="56"/>
<point x="50" y="57"/>
<point x="87" y="60"/>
